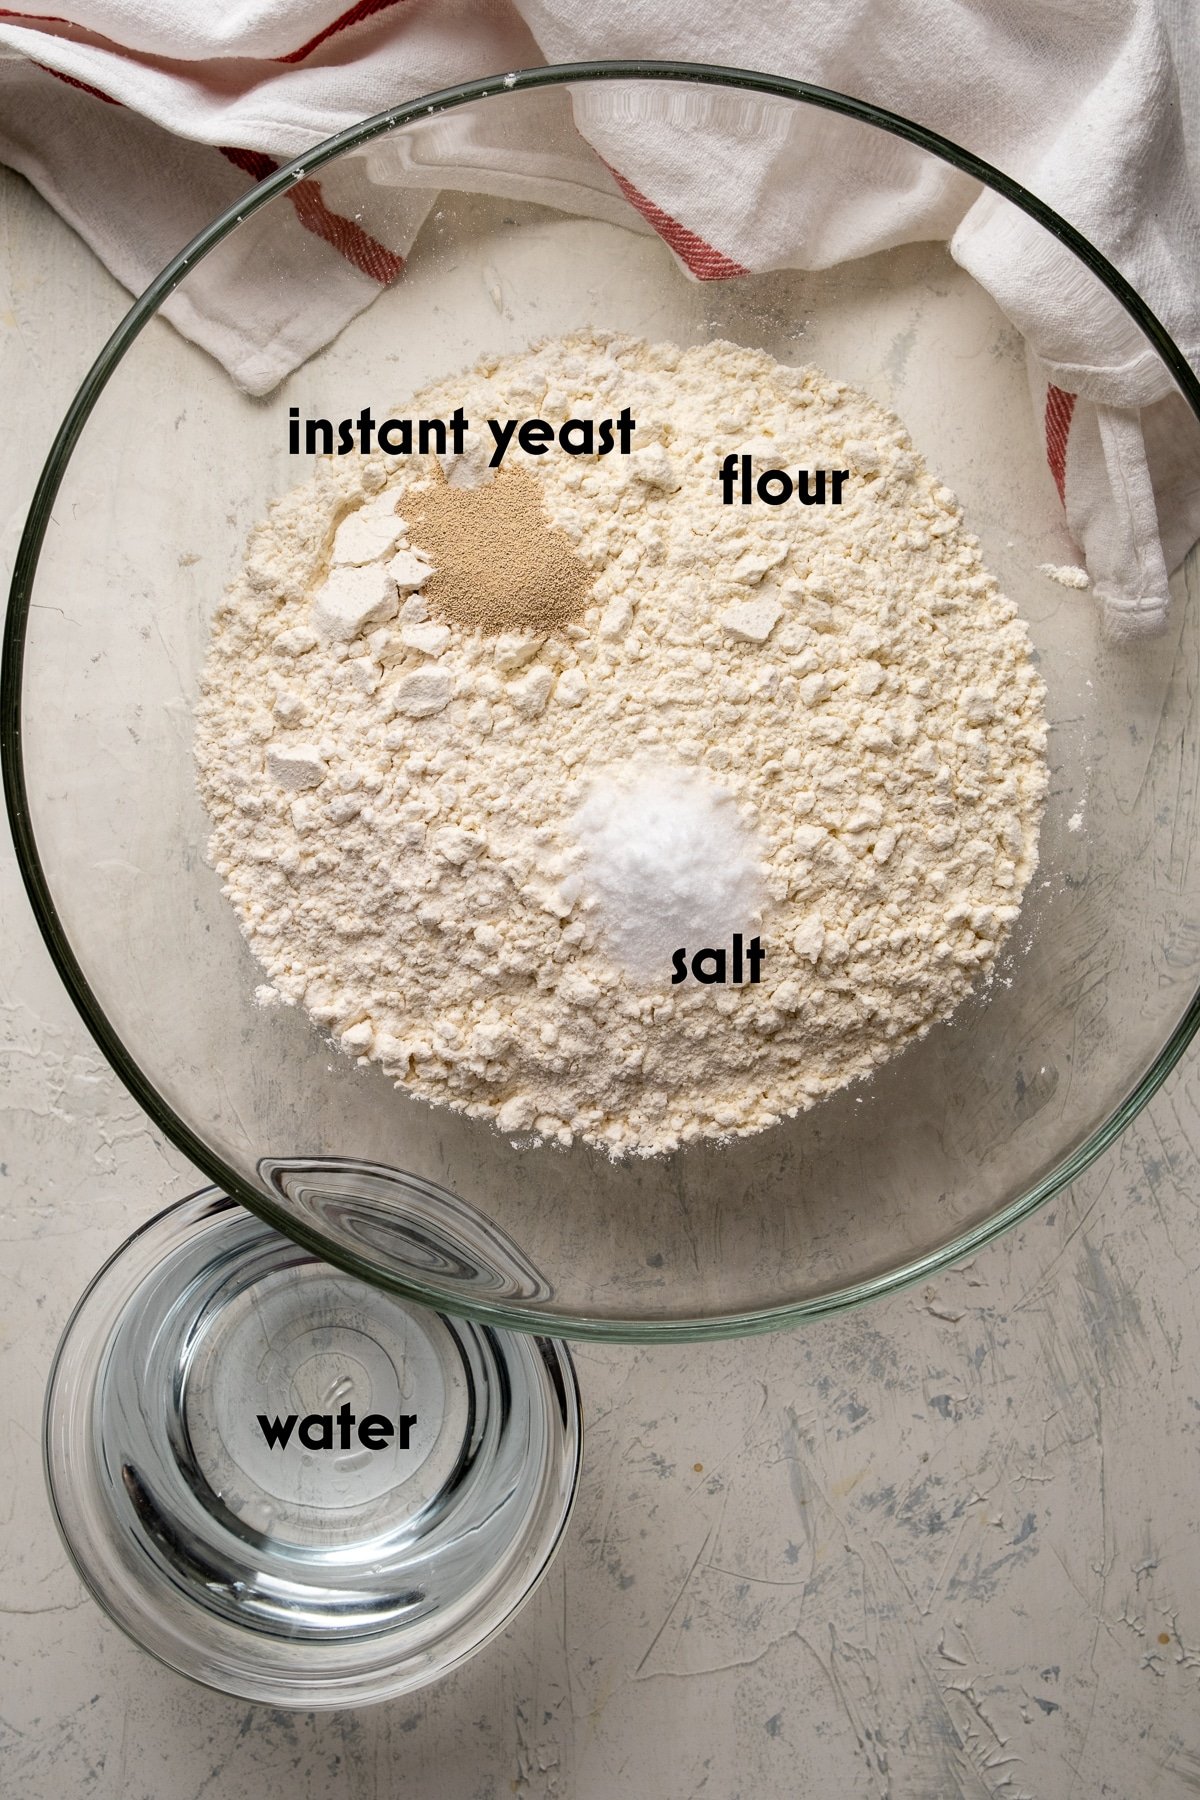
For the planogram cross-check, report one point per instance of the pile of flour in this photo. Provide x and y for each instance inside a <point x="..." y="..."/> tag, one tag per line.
<point x="406" y="812"/>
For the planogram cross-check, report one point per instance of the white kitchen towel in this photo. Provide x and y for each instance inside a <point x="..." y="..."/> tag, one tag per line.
<point x="141" y="119"/>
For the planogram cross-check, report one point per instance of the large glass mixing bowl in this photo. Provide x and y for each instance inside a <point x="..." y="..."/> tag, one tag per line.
<point x="141" y="518"/>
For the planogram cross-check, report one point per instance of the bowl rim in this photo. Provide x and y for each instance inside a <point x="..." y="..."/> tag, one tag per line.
<point x="540" y="1320"/>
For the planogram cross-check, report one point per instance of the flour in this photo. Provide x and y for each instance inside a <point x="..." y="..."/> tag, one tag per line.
<point x="400" y="804"/>
<point x="1066" y="574"/>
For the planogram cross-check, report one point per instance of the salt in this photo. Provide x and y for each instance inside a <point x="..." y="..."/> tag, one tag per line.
<point x="668" y="863"/>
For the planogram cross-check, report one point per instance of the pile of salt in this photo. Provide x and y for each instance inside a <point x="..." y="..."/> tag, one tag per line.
<point x="668" y="863"/>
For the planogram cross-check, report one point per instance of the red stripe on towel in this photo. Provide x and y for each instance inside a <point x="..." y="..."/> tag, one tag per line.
<point x="346" y="236"/>
<point x="252" y="162"/>
<point x="362" y="9"/>
<point x="85" y="87"/>
<point x="705" y="263"/>
<point x="1059" y="407"/>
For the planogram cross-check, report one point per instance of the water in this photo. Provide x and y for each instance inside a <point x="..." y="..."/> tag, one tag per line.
<point x="293" y="1485"/>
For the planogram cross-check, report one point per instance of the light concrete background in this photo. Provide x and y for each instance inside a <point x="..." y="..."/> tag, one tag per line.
<point x="944" y="1547"/>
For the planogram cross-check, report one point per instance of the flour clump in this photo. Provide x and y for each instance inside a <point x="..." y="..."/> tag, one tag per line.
<point x="467" y="844"/>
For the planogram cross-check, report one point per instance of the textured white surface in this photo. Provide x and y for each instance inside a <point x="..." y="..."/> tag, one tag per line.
<point x="944" y="1547"/>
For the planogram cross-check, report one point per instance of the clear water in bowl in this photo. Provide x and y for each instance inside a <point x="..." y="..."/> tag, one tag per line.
<point x="289" y="1485"/>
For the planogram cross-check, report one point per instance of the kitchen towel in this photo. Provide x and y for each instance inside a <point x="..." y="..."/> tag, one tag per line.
<point x="139" y="120"/>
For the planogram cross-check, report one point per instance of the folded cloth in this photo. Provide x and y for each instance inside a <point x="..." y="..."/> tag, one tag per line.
<point x="141" y="119"/>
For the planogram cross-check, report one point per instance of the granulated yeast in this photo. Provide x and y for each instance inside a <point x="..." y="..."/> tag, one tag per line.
<point x="498" y="562"/>
<point x="399" y="797"/>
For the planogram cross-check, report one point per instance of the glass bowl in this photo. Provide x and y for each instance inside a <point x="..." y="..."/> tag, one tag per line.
<point x="141" y="518"/>
<point x="293" y="1487"/>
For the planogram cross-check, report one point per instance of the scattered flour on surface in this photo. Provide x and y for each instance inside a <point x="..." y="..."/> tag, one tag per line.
<point x="1066" y="574"/>
<point x="400" y="804"/>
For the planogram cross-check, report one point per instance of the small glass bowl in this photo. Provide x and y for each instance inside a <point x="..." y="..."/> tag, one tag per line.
<point x="293" y="1487"/>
